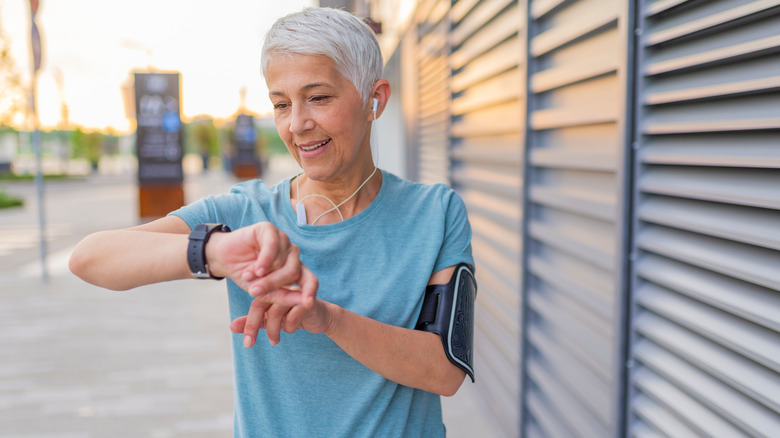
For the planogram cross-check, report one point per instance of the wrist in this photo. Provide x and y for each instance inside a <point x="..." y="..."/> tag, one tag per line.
<point x="334" y="313"/>
<point x="197" y="258"/>
<point x="212" y="255"/>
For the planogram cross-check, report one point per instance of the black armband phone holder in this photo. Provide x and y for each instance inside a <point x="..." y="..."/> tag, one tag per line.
<point x="448" y="310"/>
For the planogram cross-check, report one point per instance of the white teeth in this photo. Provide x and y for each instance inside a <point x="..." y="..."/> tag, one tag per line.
<point x="313" y="147"/>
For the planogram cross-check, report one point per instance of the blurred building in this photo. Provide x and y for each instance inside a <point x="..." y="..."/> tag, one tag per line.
<point x="620" y="161"/>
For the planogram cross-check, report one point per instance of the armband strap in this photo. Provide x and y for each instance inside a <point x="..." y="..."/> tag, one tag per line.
<point x="448" y="310"/>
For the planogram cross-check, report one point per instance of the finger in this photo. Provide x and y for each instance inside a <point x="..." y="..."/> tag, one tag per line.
<point x="292" y="321"/>
<point x="238" y="324"/>
<point x="273" y="325"/>
<point x="289" y="273"/>
<point x="274" y="246"/>
<point x="309" y="285"/>
<point x="255" y="320"/>
<point x="285" y="296"/>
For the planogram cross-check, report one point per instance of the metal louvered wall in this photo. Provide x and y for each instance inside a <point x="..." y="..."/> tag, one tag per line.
<point x="574" y="226"/>
<point x="488" y="44"/>
<point x="620" y="162"/>
<point x="434" y="92"/>
<point x="706" y="343"/>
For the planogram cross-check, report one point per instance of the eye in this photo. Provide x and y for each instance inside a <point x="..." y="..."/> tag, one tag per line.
<point x="280" y="105"/>
<point x="319" y="98"/>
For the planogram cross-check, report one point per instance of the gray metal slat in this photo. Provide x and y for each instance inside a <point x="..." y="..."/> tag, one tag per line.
<point x="553" y="118"/>
<point x="755" y="10"/>
<point x="503" y="58"/>
<point x="579" y="321"/>
<point x="570" y="158"/>
<point x="658" y="421"/>
<point x="751" y="187"/>
<point x="599" y="64"/>
<point x="662" y="6"/>
<point x="576" y="201"/>
<point x="489" y="151"/>
<point x="744" y="375"/>
<point x="583" y="286"/>
<point x="592" y="16"/>
<point x="579" y="381"/>
<point x="744" y="262"/>
<point x="696" y="416"/>
<point x="577" y="242"/>
<point x="754" y="342"/>
<point x="735" y="113"/>
<point x="489" y="206"/>
<point x="496" y="120"/>
<point x="504" y="27"/>
<point x="493" y="257"/>
<point x="741" y="224"/>
<point x="540" y="8"/>
<point x="737" y="88"/>
<point x="757" y="150"/>
<point x="747" y="301"/>
<point x="760" y="47"/>
<point x="506" y="87"/>
<point x="483" y="12"/>
<point x="502" y="364"/>
<point x="589" y="346"/>
<point x="569" y="412"/>
<point x="543" y="418"/>
<point x="748" y="416"/>
<point x="461" y="8"/>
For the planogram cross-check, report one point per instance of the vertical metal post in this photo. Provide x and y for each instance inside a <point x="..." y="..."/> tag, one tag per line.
<point x="35" y="46"/>
<point x="39" y="186"/>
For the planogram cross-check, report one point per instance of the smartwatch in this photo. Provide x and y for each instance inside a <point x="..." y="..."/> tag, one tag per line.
<point x="196" y="250"/>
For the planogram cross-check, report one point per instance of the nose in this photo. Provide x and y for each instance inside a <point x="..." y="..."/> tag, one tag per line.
<point x="301" y="120"/>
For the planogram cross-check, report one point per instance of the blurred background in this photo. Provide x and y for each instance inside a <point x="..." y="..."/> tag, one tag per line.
<point x="620" y="162"/>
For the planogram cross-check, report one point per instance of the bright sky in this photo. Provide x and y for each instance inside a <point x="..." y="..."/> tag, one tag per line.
<point x="215" y="44"/>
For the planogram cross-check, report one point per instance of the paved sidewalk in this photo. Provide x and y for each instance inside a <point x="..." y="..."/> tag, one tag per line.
<point x="77" y="361"/>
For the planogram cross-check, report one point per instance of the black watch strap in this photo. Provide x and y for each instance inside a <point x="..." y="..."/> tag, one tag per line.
<point x="196" y="250"/>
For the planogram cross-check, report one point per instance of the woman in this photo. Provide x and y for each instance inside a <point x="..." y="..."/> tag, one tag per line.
<point x="338" y="257"/>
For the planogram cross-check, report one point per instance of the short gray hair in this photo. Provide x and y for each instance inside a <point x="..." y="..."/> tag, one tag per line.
<point x="334" y="33"/>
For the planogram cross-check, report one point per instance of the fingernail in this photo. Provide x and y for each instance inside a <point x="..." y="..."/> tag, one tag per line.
<point x="248" y="341"/>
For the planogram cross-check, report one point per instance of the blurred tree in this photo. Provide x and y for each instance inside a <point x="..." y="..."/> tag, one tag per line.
<point x="12" y="104"/>
<point x="87" y="145"/>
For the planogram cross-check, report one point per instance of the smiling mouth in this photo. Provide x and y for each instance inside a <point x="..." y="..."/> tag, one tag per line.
<point x="314" y="146"/>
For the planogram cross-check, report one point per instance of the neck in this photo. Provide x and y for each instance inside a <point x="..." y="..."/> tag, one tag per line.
<point x="314" y="202"/>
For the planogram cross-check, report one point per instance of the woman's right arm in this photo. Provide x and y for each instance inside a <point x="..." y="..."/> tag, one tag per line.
<point x="132" y="257"/>
<point x="259" y="258"/>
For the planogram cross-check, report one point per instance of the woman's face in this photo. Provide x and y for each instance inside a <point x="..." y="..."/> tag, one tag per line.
<point x="319" y="115"/>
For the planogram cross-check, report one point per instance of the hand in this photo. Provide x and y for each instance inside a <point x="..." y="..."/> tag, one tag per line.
<point x="262" y="261"/>
<point x="277" y="311"/>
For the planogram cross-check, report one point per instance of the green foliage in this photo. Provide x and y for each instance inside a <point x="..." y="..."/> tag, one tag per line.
<point x="87" y="145"/>
<point x="201" y="137"/>
<point x="8" y="201"/>
<point x="273" y="143"/>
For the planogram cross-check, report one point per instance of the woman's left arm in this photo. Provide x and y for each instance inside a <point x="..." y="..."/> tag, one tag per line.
<point x="410" y="357"/>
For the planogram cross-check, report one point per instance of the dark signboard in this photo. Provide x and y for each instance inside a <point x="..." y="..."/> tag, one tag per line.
<point x="158" y="134"/>
<point x="245" y="138"/>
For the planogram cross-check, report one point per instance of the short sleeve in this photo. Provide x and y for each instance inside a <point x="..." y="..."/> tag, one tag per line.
<point x="223" y="209"/>
<point x="456" y="246"/>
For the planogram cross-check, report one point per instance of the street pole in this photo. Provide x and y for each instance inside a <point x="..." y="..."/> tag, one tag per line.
<point x="35" y="44"/>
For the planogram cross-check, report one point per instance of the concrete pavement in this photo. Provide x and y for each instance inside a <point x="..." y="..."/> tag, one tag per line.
<point x="79" y="361"/>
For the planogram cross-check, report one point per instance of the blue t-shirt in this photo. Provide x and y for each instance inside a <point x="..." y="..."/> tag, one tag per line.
<point x="376" y="264"/>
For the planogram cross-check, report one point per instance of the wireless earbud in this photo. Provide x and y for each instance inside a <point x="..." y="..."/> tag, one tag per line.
<point x="376" y="104"/>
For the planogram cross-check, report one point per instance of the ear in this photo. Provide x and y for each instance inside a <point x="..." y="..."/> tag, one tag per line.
<point x="380" y="94"/>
